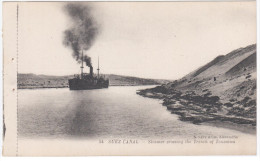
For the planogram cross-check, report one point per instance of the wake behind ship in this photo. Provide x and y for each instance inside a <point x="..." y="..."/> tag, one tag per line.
<point x="86" y="81"/>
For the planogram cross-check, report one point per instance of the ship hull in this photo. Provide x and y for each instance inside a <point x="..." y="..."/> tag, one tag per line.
<point x="79" y="84"/>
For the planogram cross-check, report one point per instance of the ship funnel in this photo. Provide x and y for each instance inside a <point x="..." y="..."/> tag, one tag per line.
<point x="82" y="65"/>
<point x="91" y="70"/>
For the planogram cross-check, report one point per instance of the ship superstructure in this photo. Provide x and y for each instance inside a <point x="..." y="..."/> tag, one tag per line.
<point x="86" y="81"/>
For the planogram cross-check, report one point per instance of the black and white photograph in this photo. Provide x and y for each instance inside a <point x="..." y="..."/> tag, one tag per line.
<point x="129" y="78"/>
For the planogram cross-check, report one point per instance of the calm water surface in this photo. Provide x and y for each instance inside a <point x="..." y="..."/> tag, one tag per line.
<point x="116" y="112"/>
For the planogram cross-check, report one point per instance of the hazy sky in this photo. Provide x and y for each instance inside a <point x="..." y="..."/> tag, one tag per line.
<point x="153" y="40"/>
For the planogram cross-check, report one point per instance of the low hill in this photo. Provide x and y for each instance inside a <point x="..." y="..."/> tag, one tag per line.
<point x="29" y="81"/>
<point x="224" y="89"/>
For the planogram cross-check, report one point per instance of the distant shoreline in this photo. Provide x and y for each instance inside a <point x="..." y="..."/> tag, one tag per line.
<point x="41" y="87"/>
<point x="33" y="81"/>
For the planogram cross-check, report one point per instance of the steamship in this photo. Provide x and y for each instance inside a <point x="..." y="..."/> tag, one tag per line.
<point x="86" y="81"/>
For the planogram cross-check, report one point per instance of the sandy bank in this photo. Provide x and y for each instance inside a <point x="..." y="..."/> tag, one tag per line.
<point x="201" y="109"/>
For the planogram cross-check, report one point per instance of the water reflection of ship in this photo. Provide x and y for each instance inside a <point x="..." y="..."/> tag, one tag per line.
<point x="86" y="81"/>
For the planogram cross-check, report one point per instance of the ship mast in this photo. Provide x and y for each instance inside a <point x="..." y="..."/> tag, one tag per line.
<point x="98" y="67"/>
<point x="82" y="65"/>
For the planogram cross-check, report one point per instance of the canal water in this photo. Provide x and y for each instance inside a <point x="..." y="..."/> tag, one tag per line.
<point x="116" y="112"/>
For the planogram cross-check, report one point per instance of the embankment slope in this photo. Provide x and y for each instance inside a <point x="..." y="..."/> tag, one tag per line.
<point x="222" y="90"/>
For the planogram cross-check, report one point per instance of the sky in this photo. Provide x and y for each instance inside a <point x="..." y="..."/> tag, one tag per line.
<point x="161" y="40"/>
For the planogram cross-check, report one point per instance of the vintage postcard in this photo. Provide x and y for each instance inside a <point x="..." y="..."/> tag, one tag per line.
<point x="129" y="78"/>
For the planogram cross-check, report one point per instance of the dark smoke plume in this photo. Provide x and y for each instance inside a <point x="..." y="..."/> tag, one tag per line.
<point x="83" y="32"/>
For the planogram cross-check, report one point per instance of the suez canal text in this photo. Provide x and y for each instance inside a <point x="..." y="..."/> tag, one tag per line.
<point x="195" y="140"/>
<point x="119" y="141"/>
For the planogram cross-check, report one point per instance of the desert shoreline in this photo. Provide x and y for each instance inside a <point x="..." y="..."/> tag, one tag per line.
<point x="196" y="115"/>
